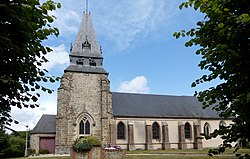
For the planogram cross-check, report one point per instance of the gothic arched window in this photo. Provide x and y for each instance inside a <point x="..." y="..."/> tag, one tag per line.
<point x="156" y="130"/>
<point x="206" y="129"/>
<point x="222" y="123"/>
<point x="81" y="129"/>
<point x="187" y="129"/>
<point x="84" y="127"/>
<point x="87" y="127"/>
<point x="120" y="130"/>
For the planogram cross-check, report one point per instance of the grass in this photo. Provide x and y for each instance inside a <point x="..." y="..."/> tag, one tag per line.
<point x="154" y="157"/>
<point x="168" y="154"/>
<point x="192" y="151"/>
<point x="182" y="154"/>
<point x="43" y="157"/>
<point x="178" y="157"/>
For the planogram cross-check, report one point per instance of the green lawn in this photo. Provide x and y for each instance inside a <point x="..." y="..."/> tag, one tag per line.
<point x="169" y="154"/>
<point x="154" y="157"/>
<point x="44" y="158"/>
<point x="192" y="151"/>
<point x="179" y="157"/>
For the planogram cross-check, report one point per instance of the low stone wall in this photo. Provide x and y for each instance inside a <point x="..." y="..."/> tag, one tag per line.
<point x="113" y="154"/>
<point x="98" y="153"/>
<point x="95" y="153"/>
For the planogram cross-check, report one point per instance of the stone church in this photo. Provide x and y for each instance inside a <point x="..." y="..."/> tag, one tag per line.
<point x="85" y="106"/>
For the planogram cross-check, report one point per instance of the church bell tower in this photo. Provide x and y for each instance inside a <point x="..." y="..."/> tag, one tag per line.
<point x="84" y="98"/>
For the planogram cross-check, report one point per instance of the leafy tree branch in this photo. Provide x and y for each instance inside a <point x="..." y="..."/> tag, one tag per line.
<point x="223" y="37"/>
<point x="24" y="24"/>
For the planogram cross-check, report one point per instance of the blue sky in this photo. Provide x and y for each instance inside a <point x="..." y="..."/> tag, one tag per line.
<point x="139" y="50"/>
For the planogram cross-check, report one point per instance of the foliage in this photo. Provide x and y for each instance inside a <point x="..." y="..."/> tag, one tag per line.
<point x="86" y="144"/>
<point x="43" y="151"/>
<point x="24" y="24"/>
<point x="93" y="140"/>
<point x="13" y="152"/>
<point x="31" y="152"/>
<point x="16" y="146"/>
<point x="82" y="146"/>
<point x="224" y="45"/>
<point x="3" y="140"/>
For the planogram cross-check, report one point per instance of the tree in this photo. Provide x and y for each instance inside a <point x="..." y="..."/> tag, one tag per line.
<point x="3" y="140"/>
<point x="12" y="145"/>
<point x="16" y="146"/>
<point x="24" y="24"/>
<point x="223" y="38"/>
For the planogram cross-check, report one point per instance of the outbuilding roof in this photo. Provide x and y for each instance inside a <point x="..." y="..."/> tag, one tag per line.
<point x="166" y="106"/>
<point x="46" y="125"/>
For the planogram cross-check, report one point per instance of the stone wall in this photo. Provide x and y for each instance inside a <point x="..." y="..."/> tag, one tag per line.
<point x="171" y="133"/>
<point x="34" y="140"/>
<point x="98" y="153"/>
<point x="94" y="153"/>
<point x="113" y="154"/>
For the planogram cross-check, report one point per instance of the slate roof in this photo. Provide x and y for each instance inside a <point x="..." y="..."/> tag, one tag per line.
<point x="75" y="68"/>
<point x="86" y="30"/>
<point x="148" y="105"/>
<point x="86" y="49"/>
<point x="143" y="105"/>
<point x="46" y="125"/>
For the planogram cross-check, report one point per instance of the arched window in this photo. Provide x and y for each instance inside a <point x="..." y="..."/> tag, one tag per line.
<point x="92" y="62"/>
<point x="84" y="127"/>
<point x="206" y="129"/>
<point x="187" y="129"/>
<point x="87" y="127"/>
<point x="120" y="130"/>
<point x="156" y="130"/>
<point x="86" y="44"/>
<point x="222" y="123"/>
<point x="81" y="129"/>
<point x="80" y="61"/>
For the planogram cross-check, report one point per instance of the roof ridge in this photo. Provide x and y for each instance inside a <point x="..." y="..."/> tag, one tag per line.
<point x="152" y="94"/>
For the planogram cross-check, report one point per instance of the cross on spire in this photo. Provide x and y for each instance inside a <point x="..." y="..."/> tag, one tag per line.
<point x="87" y="4"/>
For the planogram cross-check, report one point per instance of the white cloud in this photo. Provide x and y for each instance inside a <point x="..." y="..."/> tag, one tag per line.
<point x="67" y="21"/>
<point x="125" y="22"/>
<point x="136" y="85"/>
<point x="30" y="116"/>
<point x="59" y="56"/>
<point x="120" y="23"/>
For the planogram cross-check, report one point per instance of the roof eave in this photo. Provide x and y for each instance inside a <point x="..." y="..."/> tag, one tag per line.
<point x="40" y="132"/>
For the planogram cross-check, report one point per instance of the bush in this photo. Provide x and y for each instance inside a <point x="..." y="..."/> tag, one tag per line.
<point x="93" y="140"/>
<point x="13" y="152"/>
<point x="4" y="137"/>
<point x="43" y="151"/>
<point x="16" y="147"/>
<point x="31" y="151"/>
<point x="86" y="143"/>
<point x="82" y="146"/>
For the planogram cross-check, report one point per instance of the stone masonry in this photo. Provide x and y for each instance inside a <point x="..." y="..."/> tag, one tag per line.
<point x="82" y="94"/>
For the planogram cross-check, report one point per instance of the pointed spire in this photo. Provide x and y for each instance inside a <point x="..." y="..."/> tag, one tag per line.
<point x="86" y="35"/>
<point x="85" y="53"/>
